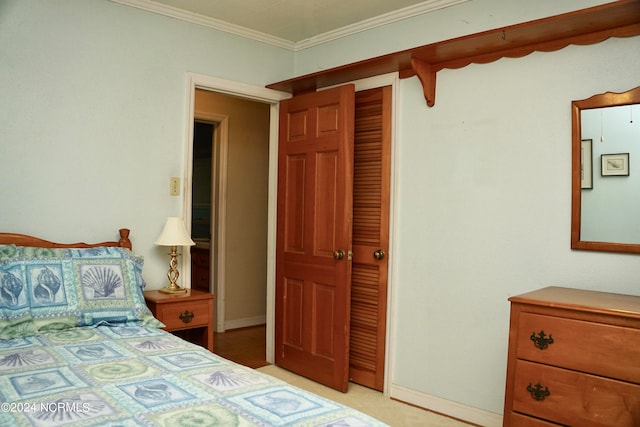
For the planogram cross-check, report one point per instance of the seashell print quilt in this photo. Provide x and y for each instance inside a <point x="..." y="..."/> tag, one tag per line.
<point x="140" y="376"/>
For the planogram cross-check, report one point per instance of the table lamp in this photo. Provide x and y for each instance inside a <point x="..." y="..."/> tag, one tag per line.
<point x="174" y="234"/>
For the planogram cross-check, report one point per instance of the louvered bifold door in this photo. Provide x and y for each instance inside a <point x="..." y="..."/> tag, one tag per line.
<point x="372" y="153"/>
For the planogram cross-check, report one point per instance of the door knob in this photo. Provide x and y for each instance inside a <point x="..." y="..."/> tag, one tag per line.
<point x="379" y="254"/>
<point x="339" y="254"/>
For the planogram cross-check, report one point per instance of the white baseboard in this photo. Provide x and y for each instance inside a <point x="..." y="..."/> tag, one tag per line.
<point x="446" y="407"/>
<point x="245" y="322"/>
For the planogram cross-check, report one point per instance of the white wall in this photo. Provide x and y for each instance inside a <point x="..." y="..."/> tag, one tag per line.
<point x="93" y="116"/>
<point x="484" y="192"/>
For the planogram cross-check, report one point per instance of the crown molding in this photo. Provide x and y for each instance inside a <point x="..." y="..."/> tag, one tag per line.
<point x="367" y="24"/>
<point x="194" y="18"/>
<point x="377" y="21"/>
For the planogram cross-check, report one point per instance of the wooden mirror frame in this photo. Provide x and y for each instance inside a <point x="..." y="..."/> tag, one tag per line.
<point x="607" y="99"/>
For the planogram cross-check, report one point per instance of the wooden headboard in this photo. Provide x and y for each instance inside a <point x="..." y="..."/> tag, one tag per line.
<point x="25" y="240"/>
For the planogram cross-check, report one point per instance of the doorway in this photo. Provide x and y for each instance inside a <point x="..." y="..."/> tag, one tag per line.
<point x="229" y="210"/>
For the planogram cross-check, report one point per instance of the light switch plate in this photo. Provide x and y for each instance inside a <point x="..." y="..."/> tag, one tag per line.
<point x="174" y="186"/>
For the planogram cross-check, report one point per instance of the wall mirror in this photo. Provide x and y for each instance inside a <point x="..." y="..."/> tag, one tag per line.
<point x="605" y="178"/>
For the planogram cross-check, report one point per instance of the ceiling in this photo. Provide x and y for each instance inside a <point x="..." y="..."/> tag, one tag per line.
<point x="291" y="22"/>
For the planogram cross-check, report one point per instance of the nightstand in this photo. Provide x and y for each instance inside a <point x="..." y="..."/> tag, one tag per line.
<point x="188" y="315"/>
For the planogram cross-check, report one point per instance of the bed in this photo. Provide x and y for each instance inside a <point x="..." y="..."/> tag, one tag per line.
<point x="79" y="347"/>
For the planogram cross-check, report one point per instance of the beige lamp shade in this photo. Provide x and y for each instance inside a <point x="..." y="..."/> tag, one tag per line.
<point x="174" y="233"/>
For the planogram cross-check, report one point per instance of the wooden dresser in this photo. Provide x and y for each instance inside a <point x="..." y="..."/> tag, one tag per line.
<point x="574" y="359"/>
<point x="200" y="269"/>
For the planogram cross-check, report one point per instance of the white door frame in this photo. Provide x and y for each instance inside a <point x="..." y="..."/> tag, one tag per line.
<point x="273" y="97"/>
<point x="255" y="93"/>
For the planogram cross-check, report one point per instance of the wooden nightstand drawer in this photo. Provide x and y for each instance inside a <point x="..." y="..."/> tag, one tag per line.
<point x="572" y="398"/>
<point x="186" y="316"/>
<point x="579" y="345"/>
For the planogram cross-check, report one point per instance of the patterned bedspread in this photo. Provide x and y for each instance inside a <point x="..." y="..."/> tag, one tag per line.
<point x="137" y="376"/>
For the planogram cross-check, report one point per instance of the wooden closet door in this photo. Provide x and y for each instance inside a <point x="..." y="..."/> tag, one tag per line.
<point x="315" y="172"/>
<point x="371" y="183"/>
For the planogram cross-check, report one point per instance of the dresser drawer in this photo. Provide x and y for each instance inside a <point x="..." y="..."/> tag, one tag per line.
<point x="574" y="398"/>
<point x="200" y="257"/>
<point x="189" y="315"/>
<point x="200" y="280"/>
<point x="519" y="420"/>
<point x="607" y="350"/>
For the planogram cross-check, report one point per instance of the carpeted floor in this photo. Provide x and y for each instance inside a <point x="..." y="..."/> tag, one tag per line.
<point x="369" y="401"/>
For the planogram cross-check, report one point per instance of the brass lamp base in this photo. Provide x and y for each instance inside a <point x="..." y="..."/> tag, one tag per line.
<point x="172" y="275"/>
<point x="173" y="289"/>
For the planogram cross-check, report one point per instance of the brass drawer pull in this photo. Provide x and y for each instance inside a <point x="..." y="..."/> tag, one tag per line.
<point x="187" y="316"/>
<point x="537" y="392"/>
<point x="541" y="341"/>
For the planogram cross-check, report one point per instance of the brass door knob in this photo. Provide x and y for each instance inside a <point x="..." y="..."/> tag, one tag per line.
<point x="338" y="255"/>
<point x="379" y="254"/>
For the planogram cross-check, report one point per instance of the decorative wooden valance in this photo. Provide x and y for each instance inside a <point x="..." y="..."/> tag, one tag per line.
<point x="582" y="27"/>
